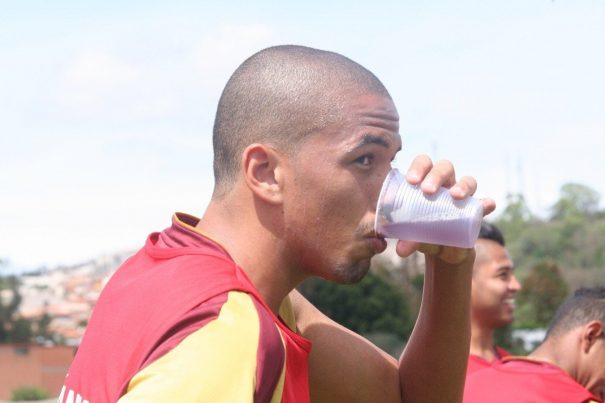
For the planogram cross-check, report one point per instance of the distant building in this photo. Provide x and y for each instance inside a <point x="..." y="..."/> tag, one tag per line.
<point x="33" y="365"/>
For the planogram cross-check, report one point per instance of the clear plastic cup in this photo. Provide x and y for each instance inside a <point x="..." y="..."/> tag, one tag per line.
<point x="405" y="212"/>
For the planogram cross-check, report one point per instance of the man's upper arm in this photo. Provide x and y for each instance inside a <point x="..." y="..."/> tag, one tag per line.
<point x="343" y="366"/>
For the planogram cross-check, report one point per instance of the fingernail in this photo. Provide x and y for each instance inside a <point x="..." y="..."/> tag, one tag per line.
<point x="457" y="191"/>
<point x="413" y="176"/>
<point x="430" y="186"/>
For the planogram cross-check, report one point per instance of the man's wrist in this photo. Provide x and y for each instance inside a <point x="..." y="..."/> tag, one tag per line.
<point x="451" y="258"/>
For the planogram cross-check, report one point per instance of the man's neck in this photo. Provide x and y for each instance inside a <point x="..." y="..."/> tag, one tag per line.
<point x="254" y="248"/>
<point x="482" y="342"/>
<point x="553" y="354"/>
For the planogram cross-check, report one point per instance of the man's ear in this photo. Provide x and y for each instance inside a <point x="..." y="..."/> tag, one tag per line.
<point x="263" y="166"/>
<point x="591" y="332"/>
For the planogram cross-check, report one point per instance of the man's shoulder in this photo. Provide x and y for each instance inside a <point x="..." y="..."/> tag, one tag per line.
<point x="228" y="340"/>
<point x="179" y="275"/>
<point x="476" y="363"/>
<point x="215" y="320"/>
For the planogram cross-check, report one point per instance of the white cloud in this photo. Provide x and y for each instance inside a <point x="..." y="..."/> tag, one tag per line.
<point x="96" y="70"/>
<point x="100" y="85"/>
<point x="94" y="75"/>
<point x="220" y="52"/>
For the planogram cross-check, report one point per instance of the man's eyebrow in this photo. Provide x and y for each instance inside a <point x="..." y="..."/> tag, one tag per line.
<point x="373" y="139"/>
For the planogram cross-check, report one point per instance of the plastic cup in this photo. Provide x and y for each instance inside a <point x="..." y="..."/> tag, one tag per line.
<point x="405" y="212"/>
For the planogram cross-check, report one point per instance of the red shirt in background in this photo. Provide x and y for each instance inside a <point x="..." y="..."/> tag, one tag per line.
<point x="475" y="363"/>
<point x="522" y="379"/>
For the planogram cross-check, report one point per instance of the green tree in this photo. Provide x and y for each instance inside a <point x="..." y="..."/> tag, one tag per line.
<point x="543" y="241"/>
<point x="370" y="306"/>
<point x="12" y="328"/>
<point x="588" y="244"/>
<point x="25" y="393"/>
<point x="42" y="326"/>
<point x="21" y="331"/>
<point x="503" y="337"/>
<point x="544" y="289"/>
<point x="576" y="200"/>
<point x="515" y="218"/>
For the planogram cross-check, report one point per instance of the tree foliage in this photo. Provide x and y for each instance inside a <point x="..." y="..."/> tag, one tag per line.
<point x="573" y="236"/>
<point x="544" y="289"/>
<point x="516" y="217"/>
<point x="576" y="201"/>
<point x="370" y="306"/>
<point x="12" y="328"/>
<point x="29" y="393"/>
<point x="503" y="337"/>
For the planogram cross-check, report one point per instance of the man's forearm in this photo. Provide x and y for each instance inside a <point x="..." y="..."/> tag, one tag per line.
<point x="433" y="366"/>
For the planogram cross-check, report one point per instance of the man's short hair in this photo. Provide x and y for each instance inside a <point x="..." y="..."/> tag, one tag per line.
<point x="280" y="95"/>
<point x="585" y="305"/>
<point x="491" y="232"/>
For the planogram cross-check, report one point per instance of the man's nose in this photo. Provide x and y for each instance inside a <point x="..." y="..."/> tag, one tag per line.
<point x="514" y="284"/>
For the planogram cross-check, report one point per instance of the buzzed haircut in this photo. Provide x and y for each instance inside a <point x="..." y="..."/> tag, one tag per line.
<point x="585" y="305"/>
<point x="279" y="96"/>
<point x="488" y="232"/>
<point x="491" y="232"/>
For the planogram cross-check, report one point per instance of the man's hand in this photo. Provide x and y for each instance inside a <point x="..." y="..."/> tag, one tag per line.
<point x="430" y="178"/>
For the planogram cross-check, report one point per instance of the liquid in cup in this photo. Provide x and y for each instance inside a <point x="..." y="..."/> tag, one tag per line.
<point x="405" y="212"/>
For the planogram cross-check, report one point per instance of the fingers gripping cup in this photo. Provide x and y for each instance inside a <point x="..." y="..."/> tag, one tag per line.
<point x="405" y="212"/>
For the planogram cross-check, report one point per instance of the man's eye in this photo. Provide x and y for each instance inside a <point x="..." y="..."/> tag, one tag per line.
<point x="365" y="160"/>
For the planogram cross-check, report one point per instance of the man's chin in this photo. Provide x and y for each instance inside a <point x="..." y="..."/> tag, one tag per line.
<point x="505" y="321"/>
<point x="351" y="274"/>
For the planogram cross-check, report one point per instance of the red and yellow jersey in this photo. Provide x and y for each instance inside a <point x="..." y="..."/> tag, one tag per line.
<point x="475" y="363"/>
<point x="522" y="379"/>
<point x="179" y="321"/>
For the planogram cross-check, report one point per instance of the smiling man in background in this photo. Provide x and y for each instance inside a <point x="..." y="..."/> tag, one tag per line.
<point x="494" y="287"/>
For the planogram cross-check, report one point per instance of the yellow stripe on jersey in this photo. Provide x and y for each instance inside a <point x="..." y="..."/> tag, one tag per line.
<point x="286" y="313"/>
<point x="216" y="363"/>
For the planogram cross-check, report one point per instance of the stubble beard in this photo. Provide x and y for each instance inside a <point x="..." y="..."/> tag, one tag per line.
<point x="351" y="273"/>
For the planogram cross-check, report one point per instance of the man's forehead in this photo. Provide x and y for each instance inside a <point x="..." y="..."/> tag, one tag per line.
<point x="488" y="250"/>
<point x="371" y="106"/>
<point x="366" y="120"/>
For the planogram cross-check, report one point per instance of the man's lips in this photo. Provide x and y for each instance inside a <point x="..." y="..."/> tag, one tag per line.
<point x="378" y="244"/>
<point x="509" y="302"/>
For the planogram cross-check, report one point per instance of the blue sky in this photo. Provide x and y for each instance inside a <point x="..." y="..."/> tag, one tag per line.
<point x="106" y="109"/>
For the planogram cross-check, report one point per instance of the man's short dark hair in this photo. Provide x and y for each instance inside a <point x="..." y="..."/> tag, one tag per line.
<point x="491" y="232"/>
<point x="280" y="95"/>
<point x="585" y="305"/>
